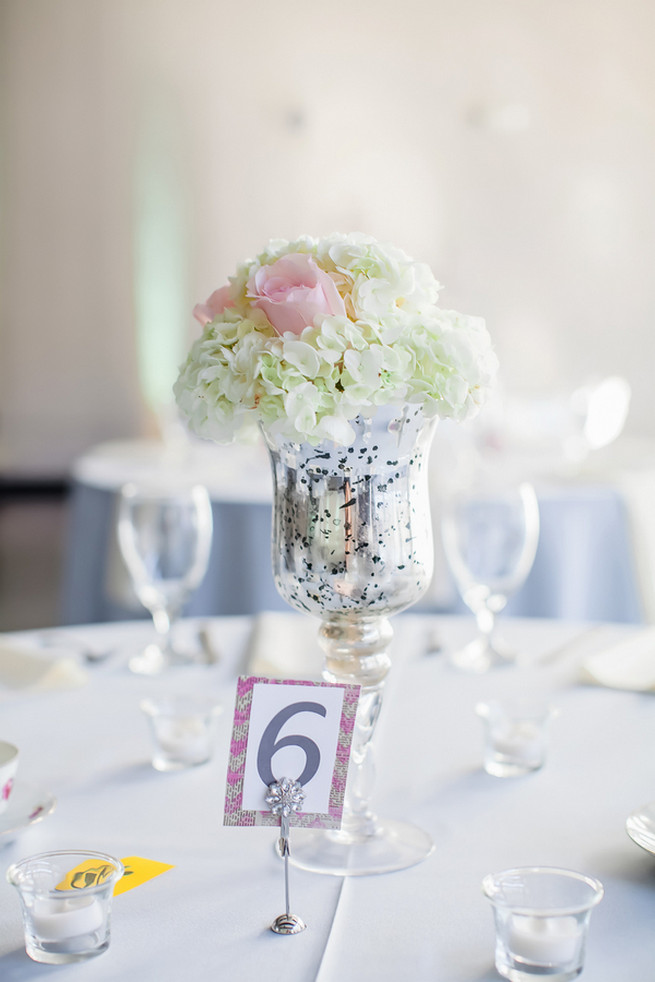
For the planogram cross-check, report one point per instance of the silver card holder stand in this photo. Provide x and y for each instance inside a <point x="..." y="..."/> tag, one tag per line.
<point x="284" y="797"/>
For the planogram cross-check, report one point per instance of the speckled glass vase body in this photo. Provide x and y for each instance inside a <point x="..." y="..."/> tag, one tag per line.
<point x="352" y="538"/>
<point x="352" y="545"/>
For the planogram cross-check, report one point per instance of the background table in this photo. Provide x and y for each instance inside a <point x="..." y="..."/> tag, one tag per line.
<point x="209" y="916"/>
<point x="584" y="568"/>
<point x="96" y="586"/>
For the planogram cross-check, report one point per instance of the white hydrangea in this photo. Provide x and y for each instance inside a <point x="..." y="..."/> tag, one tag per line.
<point x="393" y="345"/>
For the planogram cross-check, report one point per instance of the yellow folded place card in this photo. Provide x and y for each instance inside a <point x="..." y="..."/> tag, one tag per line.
<point x="137" y="870"/>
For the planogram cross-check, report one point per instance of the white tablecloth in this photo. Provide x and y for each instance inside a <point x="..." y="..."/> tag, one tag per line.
<point x="209" y="917"/>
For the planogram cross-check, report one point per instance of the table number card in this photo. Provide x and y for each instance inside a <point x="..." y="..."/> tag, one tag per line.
<point x="294" y="729"/>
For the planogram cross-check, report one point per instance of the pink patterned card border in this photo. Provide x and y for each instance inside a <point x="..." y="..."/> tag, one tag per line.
<point x="234" y="813"/>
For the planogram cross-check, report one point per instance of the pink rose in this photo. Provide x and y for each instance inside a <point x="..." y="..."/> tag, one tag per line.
<point x="219" y="300"/>
<point x="292" y="291"/>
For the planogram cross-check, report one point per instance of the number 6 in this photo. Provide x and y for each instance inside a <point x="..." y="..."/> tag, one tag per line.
<point x="268" y="746"/>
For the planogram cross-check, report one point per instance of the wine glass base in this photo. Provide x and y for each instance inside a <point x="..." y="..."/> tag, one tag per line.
<point x="393" y="846"/>
<point x="152" y="660"/>
<point x="149" y="661"/>
<point x="480" y="656"/>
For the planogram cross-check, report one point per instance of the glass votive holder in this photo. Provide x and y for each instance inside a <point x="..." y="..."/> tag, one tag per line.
<point x="515" y="736"/>
<point x="182" y="728"/>
<point x="66" y="903"/>
<point x="542" y="917"/>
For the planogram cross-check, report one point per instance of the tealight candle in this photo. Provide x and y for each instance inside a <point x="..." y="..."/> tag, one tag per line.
<point x="66" y="901"/>
<point x="515" y="736"/>
<point x="544" y="940"/>
<point x="542" y="916"/>
<point x="182" y="729"/>
<point x="524" y="738"/>
<point x="184" y="736"/>
<point x="70" y="917"/>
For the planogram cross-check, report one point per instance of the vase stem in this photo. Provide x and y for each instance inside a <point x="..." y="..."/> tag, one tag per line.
<point x="356" y="652"/>
<point x="358" y="818"/>
<point x="356" y="648"/>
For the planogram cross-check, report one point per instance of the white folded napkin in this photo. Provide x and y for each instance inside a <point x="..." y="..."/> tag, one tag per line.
<point x="638" y="488"/>
<point x="22" y="667"/>
<point x="627" y="664"/>
<point x="284" y="646"/>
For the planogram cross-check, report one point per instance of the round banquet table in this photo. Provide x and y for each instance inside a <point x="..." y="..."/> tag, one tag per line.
<point x="209" y="916"/>
<point x="584" y="568"/>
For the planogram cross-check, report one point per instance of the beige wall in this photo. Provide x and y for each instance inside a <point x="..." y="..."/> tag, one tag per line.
<point x="509" y="143"/>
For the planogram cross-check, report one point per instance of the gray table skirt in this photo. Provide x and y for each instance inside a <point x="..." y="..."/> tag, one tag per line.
<point x="96" y="586"/>
<point x="584" y="568"/>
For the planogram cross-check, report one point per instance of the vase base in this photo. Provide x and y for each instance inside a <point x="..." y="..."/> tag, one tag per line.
<point x="394" y="846"/>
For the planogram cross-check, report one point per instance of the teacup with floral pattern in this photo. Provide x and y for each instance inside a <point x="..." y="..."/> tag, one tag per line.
<point x="8" y="766"/>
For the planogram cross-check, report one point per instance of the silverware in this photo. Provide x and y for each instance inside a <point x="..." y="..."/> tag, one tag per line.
<point x="211" y="655"/>
<point x="90" y="653"/>
<point x="433" y="645"/>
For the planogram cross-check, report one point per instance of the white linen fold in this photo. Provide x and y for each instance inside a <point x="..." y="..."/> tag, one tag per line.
<point x="638" y="489"/>
<point x="284" y="645"/>
<point x="627" y="664"/>
<point x="22" y="667"/>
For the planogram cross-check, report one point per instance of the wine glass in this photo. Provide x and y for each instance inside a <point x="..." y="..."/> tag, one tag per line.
<point x="490" y="532"/>
<point x="164" y="534"/>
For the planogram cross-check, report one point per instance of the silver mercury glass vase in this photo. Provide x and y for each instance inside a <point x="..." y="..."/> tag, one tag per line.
<point x="352" y="545"/>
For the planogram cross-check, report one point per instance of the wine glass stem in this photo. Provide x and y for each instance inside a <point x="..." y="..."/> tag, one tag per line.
<point x="486" y="622"/>
<point x="163" y="623"/>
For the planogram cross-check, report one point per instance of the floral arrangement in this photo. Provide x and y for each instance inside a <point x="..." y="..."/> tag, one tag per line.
<point x="316" y="332"/>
